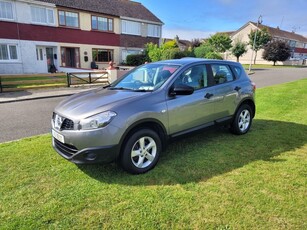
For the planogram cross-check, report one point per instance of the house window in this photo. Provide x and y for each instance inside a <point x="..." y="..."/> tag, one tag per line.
<point x="42" y="15"/>
<point x="102" y="55"/>
<point x="103" y="24"/>
<point x="292" y="43"/>
<point x="6" y="10"/>
<point x="154" y="31"/>
<point x="8" y="52"/>
<point x="129" y="27"/>
<point x="69" y="19"/>
<point x="125" y="53"/>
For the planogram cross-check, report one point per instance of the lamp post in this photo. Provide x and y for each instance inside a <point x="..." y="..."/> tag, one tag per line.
<point x="259" y="22"/>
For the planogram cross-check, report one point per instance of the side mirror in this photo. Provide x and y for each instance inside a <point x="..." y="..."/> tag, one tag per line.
<point x="181" y="89"/>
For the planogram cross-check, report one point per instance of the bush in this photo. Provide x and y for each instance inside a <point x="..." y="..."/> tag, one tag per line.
<point x="203" y="50"/>
<point x="136" y="59"/>
<point x="175" y="53"/>
<point x="213" y="55"/>
<point x="153" y="52"/>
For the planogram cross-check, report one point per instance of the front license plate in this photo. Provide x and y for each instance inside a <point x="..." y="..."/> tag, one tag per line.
<point x="58" y="136"/>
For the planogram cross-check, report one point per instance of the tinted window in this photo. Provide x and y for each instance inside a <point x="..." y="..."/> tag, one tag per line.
<point x="195" y="76"/>
<point x="221" y="73"/>
<point x="238" y="70"/>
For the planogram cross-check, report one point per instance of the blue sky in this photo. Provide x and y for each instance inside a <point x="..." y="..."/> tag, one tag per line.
<point x="201" y="18"/>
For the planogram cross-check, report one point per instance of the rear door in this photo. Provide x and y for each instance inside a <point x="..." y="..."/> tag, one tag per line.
<point x="226" y="90"/>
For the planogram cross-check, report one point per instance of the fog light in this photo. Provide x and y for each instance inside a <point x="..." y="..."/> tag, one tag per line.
<point x="90" y="156"/>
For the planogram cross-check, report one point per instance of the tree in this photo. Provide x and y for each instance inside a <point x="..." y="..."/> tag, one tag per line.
<point x="153" y="52"/>
<point x="220" y="42"/>
<point x="206" y="51"/>
<point x="238" y="49"/>
<point x="169" y="45"/>
<point x="276" y="51"/>
<point x="203" y="50"/>
<point x="262" y="38"/>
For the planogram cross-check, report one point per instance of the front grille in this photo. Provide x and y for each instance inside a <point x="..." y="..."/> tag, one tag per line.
<point x="67" y="124"/>
<point x="67" y="150"/>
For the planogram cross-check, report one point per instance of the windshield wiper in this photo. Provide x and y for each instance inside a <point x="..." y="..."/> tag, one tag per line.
<point x="142" y="90"/>
<point x="119" y="88"/>
<point x="106" y="86"/>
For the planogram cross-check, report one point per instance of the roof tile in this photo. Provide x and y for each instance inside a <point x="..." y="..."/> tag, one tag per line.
<point x="119" y="8"/>
<point x="275" y="32"/>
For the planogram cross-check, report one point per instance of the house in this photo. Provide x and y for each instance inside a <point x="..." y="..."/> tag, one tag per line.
<point x="298" y="44"/>
<point x="36" y="36"/>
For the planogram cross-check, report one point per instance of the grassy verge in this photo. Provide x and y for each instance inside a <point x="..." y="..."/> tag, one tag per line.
<point x="212" y="180"/>
<point x="13" y="83"/>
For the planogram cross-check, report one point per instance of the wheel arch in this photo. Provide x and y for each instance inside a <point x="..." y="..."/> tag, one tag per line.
<point x="249" y="102"/>
<point x="152" y="124"/>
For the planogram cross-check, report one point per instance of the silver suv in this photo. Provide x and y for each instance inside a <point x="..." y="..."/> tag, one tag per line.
<point x="132" y="119"/>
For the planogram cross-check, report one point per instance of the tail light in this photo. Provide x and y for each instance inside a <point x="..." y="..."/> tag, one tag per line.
<point x="254" y="86"/>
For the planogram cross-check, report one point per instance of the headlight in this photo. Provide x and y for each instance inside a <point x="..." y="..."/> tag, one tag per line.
<point x="97" y="121"/>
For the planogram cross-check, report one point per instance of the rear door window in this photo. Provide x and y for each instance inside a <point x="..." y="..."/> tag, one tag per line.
<point x="221" y="73"/>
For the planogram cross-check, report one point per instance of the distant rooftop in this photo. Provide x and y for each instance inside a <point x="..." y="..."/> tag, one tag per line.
<point x="276" y="32"/>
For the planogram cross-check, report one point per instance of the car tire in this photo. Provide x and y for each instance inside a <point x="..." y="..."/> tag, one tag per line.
<point x="141" y="151"/>
<point x="242" y="120"/>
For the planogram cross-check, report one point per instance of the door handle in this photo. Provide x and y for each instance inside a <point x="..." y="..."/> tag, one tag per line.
<point x="208" y="95"/>
<point x="237" y="88"/>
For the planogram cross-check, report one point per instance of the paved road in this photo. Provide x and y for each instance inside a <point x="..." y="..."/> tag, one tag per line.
<point x="267" y="77"/>
<point x="28" y="118"/>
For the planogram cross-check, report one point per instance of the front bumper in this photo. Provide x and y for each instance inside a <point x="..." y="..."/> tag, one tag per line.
<point x="103" y="154"/>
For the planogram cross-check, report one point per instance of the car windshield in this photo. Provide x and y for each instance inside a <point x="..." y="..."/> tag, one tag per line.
<point x="145" y="78"/>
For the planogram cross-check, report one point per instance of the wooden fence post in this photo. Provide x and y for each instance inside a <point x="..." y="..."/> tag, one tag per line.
<point x="68" y="79"/>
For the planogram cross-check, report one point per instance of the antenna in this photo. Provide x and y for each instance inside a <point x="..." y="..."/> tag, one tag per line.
<point x="294" y="28"/>
<point x="282" y="20"/>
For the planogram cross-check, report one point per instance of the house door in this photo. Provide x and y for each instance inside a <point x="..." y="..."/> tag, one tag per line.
<point x="41" y="60"/>
<point x="70" y="57"/>
<point x="50" y="60"/>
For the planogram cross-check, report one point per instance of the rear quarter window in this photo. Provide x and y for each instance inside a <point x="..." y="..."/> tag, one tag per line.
<point x="222" y="73"/>
<point x="238" y="70"/>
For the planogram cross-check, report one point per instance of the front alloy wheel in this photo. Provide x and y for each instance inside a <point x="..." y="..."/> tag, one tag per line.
<point x="141" y="151"/>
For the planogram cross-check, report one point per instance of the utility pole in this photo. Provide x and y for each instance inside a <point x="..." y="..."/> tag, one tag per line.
<point x="259" y="22"/>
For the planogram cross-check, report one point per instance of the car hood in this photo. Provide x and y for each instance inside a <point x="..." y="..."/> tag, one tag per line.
<point x="86" y="104"/>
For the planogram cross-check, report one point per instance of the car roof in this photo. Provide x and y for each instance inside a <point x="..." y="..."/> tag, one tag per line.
<point x="191" y="60"/>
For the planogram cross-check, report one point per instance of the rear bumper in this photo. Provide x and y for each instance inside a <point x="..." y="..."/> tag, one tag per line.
<point x="92" y="155"/>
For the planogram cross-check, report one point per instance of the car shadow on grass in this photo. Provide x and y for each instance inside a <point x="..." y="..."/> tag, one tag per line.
<point x="210" y="153"/>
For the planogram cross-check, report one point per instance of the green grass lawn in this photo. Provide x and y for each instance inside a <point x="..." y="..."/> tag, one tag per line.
<point x="211" y="180"/>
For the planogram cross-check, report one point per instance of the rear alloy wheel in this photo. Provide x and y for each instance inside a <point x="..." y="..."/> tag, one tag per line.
<point x="141" y="151"/>
<point x="242" y="120"/>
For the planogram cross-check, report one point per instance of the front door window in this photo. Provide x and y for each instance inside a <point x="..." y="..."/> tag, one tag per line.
<point x="70" y="57"/>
